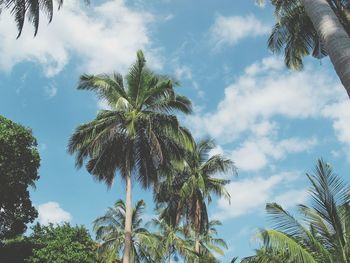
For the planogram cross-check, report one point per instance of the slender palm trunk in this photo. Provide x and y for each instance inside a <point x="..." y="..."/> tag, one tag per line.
<point x="197" y="229"/>
<point x="197" y="247"/>
<point x="128" y="220"/>
<point x="333" y="35"/>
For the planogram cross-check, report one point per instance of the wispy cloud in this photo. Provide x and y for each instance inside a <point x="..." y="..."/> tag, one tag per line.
<point x="251" y="195"/>
<point x="229" y="30"/>
<point x="50" y="90"/>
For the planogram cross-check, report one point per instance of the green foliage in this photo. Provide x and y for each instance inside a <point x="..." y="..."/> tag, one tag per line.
<point x="19" y="163"/>
<point x="22" y="9"/>
<point x="110" y="233"/>
<point x="295" y="34"/>
<point x="16" y="250"/>
<point x="172" y="241"/>
<point x="324" y="235"/>
<point x="187" y="190"/>
<point x="138" y="133"/>
<point x="62" y="244"/>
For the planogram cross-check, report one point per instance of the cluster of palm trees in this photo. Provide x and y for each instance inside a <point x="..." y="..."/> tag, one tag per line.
<point x="140" y="139"/>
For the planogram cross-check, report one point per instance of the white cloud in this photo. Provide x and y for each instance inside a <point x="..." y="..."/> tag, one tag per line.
<point x="254" y="154"/>
<point x="340" y="114"/>
<point x="265" y="91"/>
<point x="257" y="105"/>
<point x="251" y="195"/>
<point x="51" y="90"/>
<point x="51" y="212"/>
<point x="228" y="30"/>
<point x="104" y="38"/>
<point x="292" y="197"/>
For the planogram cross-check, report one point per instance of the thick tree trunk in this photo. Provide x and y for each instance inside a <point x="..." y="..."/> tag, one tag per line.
<point x="128" y="220"/>
<point x="333" y="35"/>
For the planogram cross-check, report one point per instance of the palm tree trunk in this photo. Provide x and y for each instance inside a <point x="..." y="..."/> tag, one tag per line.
<point x="128" y="220"/>
<point x="197" y="247"/>
<point x="333" y="36"/>
<point x="197" y="229"/>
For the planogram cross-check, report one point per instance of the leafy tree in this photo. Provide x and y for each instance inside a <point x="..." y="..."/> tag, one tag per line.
<point x="317" y="27"/>
<point x="62" y="244"/>
<point x="324" y="237"/>
<point x="19" y="163"/>
<point x="110" y="232"/>
<point x="136" y="136"/>
<point x="186" y="194"/>
<point x="17" y="250"/>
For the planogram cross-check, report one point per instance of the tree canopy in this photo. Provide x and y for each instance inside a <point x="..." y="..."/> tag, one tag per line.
<point x="19" y="163"/>
<point x="62" y="244"/>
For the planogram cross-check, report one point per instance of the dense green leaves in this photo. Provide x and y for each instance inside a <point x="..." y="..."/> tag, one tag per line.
<point x="138" y="133"/>
<point x="187" y="190"/>
<point x="62" y="244"/>
<point x="19" y="163"/>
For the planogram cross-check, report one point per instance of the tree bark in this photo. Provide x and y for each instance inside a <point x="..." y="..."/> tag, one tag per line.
<point x="128" y="220"/>
<point x="333" y="36"/>
<point x="197" y="229"/>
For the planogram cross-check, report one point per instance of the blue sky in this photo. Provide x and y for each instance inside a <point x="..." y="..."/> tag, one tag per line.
<point x="271" y="122"/>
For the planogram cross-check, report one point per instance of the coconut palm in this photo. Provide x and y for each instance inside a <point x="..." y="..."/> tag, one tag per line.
<point x="210" y="244"/>
<point x="324" y="236"/>
<point x="317" y="27"/>
<point x="173" y="241"/>
<point x="31" y="9"/>
<point x="136" y="136"/>
<point x="185" y="194"/>
<point x="110" y="232"/>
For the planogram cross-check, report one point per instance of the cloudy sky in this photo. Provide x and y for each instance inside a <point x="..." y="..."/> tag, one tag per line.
<point x="271" y="122"/>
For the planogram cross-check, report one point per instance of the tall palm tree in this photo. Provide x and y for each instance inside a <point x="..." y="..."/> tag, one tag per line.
<point x="317" y="27"/>
<point x="185" y="195"/>
<point x="137" y="136"/>
<point x="325" y="234"/>
<point x="110" y="231"/>
<point x="31" y="9"/>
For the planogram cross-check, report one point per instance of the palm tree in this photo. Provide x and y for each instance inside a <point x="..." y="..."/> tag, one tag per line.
<point x="210" y="244"/>
<point x="31" y="9"/>
<point x="137" y="136"/>
<point x="173" y="241"/>
<point x="325" y="235"/>
<point x="317" y="27"/>
<point x="184" y="195"/>
<point x="110" y="231"/>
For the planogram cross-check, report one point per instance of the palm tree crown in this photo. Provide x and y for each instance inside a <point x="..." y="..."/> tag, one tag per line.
<point x="110" y="232"/>
<point x="138" y="132"/>
<point x="295" y="34"/>
<point x="325" y="235"/>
